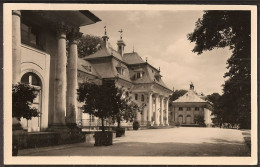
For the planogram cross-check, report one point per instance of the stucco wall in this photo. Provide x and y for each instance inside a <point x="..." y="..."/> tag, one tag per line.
<point x="37" y="62"/>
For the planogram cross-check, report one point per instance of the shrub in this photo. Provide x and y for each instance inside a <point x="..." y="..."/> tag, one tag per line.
<point x="136" y="125"/>
<point x="120" y="132"/>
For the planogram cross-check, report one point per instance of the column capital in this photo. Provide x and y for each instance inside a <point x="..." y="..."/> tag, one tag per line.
<point x="73" y="35"/>
<point x="62" y="29"/>
<point x="16" y="12"/>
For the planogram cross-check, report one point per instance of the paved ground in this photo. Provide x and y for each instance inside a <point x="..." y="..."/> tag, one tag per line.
<point x="183" y="141"/>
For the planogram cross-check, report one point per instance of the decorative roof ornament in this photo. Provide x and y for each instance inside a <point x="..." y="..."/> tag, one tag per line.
<point x="159" y="69"/>
<point x="105" y="27"/>
<point x="121" y="31"/>
<point x="133" y="48"/>
<point x="146" y="59"/>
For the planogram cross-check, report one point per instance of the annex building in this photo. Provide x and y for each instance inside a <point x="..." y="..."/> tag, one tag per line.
<point x="186" y="108"/>
<point x="45" y="55"/>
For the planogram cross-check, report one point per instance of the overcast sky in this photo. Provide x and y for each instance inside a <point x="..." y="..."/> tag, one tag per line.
<point x="162" y="37"/>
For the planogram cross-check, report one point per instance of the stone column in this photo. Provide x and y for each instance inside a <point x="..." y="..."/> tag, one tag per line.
<point x="167" y="111"/>
<point x="156" y="123"/>
<point x="72" y="80"/>
<point x="60" y="79"/>
<point x="150" y="108"/>
<point x="16" y="46"/>
<point x="162" y="108"/>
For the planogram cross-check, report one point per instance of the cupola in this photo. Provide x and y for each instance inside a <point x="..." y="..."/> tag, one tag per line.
<point x="121" y="44"/>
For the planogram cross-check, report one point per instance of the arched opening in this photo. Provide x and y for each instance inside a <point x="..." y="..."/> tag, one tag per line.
<point x="188" y="119"/>
<point x="34" y="80"/>
<point x="180" y="119"/>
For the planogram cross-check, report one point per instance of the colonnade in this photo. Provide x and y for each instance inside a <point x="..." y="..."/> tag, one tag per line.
<point x="65" y="83"/>
<point x="156" y="106"/>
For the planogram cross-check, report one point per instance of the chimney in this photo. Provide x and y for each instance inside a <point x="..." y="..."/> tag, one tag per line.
<point x="120" y="44"/>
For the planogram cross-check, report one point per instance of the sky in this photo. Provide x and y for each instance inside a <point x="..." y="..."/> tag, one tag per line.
<point x="161" y="36"/>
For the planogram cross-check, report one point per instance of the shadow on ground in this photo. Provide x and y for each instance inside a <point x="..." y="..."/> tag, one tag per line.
<point x="219" y="148"/>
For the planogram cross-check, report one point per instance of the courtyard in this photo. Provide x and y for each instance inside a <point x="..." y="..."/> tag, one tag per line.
<point x="183" y="141"/>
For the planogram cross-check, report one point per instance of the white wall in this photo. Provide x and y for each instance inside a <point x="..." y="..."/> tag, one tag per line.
<point x="37" y="62"/>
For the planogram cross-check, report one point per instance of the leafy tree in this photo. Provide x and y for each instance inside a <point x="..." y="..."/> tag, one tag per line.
<point x="88" y="45"/>
<point x="199" y="119"/>
<point x="23" y="96"/>
<point x="177" y="93"/>
<point x="127" y="108"/>
<point x="100" y="100"/>
<point x="219" y="29"/>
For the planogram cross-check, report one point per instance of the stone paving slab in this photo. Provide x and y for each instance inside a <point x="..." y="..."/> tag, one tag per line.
<point x="183" y="141"/>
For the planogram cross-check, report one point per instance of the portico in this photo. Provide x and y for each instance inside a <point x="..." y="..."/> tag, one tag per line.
<point x="155" y="110"/>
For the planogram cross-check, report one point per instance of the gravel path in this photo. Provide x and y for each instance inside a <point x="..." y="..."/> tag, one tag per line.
<point x="183" y="141"/>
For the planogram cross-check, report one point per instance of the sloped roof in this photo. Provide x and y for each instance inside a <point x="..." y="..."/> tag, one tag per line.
<point x="81" y="63"/>
<point x="104" y="52"/>
<point x="132" y="58"/>
<point x="191" y="97"/>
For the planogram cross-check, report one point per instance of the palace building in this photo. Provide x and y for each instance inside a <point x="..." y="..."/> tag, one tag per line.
<point x="130" y="71"/>
<point x="186" y="108"/>
<point x="45" y="55"/>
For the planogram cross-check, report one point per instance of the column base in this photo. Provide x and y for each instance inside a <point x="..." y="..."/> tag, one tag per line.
<point x="156" y="124"/>
<point x="161" y="124"/>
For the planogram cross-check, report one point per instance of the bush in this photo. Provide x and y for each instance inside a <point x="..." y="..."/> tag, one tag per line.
<point x="103" y="138"/>
<point x="136" y="125"/>
<point x="177" y="124"/>
<point x="120" y="132"/>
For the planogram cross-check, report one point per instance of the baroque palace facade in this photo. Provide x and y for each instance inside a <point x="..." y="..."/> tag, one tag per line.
<point x="40" y="58"/>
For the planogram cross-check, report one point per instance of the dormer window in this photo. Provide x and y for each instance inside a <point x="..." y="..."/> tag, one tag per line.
<point x="88" y="68"/>
<point x="139" y="75"/>
<point x="120" y="70"/>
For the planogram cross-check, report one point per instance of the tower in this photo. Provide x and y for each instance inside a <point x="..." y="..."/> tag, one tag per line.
<point x="120" y="44"/>
<point x="105" y="37"/>
<point x="191" y="86"/>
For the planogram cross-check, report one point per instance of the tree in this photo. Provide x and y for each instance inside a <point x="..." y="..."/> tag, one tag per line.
<point x="99" y="100"/>
<point x="199" y="119"/>
<point x="23" y="96"/>
<point x="88" y="45"/>
<point x="127" y="108"/>
<point x="177" y="93"/>
<point x="219" y="29"/>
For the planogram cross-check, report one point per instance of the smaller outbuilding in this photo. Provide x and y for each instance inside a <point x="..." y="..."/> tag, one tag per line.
<point x="189" y="108"/>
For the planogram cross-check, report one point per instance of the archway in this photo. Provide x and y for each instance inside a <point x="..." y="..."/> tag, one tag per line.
<point x="188" y="119"/>
<point x="180" y="119"/>
<point x="34" y="80"/>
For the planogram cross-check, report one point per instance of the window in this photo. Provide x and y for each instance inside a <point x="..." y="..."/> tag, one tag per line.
<point x="188" y="108"/>
<point x="88" y="68"/>
<point x="29" y="35"/>
<point x="180" y="108"/>
<point x="142" y="97"/>
<point x="136" y="96"/>
<point x="197" y="108"/>
<point x="139" y="75"/>
<point x="120" y="70"/>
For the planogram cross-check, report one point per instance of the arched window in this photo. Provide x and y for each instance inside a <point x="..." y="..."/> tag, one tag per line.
<point x="32" y="79"/>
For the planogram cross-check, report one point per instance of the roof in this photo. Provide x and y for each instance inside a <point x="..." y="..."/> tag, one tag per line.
<point x="191" y="97"/>
<point x="132" y="58"/>
<point x="82" y="66"/>
<point x="104" y="52"/>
